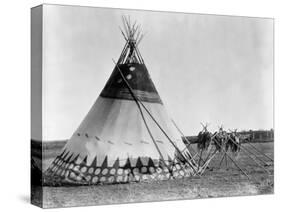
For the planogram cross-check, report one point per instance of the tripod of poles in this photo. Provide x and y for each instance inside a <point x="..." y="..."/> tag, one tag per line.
<point x="228" y="146"/>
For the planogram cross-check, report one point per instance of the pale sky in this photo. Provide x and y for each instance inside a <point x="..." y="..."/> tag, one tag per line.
<point x="206" y="68"/>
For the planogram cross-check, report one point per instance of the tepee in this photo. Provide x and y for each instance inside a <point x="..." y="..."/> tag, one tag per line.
<point x="127" y="135"/>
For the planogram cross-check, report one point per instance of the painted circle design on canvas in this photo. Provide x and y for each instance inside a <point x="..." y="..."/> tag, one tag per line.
<point x="178" y="167"/>
<point x="159" y="170"/>
<point x="120" y="171"/>
<point x="102" y="179"/>
<point x="129" y="76"/>
<point x="144" y="177"/>
<point x="153" y="176"/>
<point x="91" y="170"/>
<point x="113" y="171"/>
<point x="127" y="171"/>
<point x="136" y="170"/>
<point x="84" y="169"/>
<point x="132" y="68"/>
<point x="76" y="168"/>
<point x="119" y="179"/>
<point x="105" y="171"/>
<point x="78" y="178"/>
<point x="72" y="175"/>
<point x="151" y="169"/>
<point x="181" y="172"/>
<point x="111" y="179"/>
<point x="95" y="179"/>
<point x="143" y="170"/>
<point x="88" y="178"/>
<point x="97" y="171"/>
<point x="137" y="178"/>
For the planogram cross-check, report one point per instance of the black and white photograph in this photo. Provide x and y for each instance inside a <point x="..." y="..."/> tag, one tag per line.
<point x="131" y="106"/>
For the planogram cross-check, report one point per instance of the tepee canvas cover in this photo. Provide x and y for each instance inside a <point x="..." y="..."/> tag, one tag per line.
<point x="127" y="135"/>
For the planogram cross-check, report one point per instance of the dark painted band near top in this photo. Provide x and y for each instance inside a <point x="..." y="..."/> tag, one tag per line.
<point x="138" y="78"/>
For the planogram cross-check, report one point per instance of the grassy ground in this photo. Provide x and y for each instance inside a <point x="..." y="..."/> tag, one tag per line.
<point x="216" y="182"/>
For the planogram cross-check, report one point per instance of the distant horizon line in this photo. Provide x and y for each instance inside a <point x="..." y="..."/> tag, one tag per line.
<point x="66" y="139"/>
